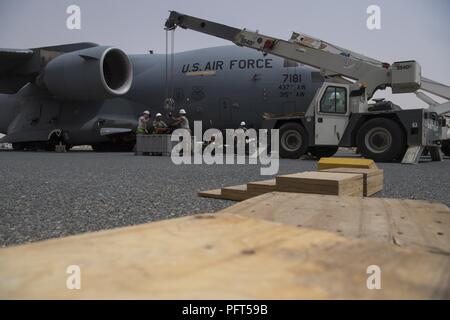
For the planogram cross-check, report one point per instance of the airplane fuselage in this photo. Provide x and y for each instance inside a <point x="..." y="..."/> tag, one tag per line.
<point x="220" y="86"/>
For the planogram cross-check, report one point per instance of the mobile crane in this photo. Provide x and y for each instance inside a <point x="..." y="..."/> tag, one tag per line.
<point x="340" y="114"/>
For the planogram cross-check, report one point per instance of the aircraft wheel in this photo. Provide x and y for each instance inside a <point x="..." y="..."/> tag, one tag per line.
<point x="381" y="140"/>
<point x="323" y="151"/>
<point x="446" y="147"/>
<point x="293" y="140"/>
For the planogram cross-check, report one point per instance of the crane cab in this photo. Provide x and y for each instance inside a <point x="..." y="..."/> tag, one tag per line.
<point x="331" y="114"/>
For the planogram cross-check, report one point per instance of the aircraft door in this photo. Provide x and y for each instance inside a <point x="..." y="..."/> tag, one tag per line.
<point x="332" y="114"/>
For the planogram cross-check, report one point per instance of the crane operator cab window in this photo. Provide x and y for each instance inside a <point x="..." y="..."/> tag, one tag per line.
<point x="334" y="100"/>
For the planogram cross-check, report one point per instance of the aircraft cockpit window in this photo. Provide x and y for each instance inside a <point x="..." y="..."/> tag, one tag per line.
<point x="334" y="100"/>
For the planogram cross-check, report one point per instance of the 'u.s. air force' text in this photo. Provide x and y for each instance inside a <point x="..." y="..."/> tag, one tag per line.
<point x="229" y="65"/>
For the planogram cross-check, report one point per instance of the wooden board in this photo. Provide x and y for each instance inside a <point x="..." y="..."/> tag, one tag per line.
<point x="214" y="193"/>
<point x="412" y="223"/>
<point x="236" y="193"/>
<point x="261" y="187"/>
<point x="373" y="179"/>
<point x="218" y="256"/>
<point x="328" y="163"/>
<point x="240" y="192"/>
<point x="321" y="183"/>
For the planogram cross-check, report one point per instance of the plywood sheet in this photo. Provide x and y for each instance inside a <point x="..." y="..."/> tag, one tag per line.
<point x="219" y="256"/>
<point x="373" y="179"/>
<point x="411" y="223"/>
<point x="236" y="193"/>
<point x="214" y="193"/>
<point x="261" y="187"/>
<point x="321" y="183"/>
<point x="240" y="192"/>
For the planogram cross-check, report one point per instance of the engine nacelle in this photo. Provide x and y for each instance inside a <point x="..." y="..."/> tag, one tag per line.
<point x="90" y="74"/>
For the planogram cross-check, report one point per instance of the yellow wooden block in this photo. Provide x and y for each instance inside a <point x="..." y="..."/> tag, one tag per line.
<point x="328" y="163"/>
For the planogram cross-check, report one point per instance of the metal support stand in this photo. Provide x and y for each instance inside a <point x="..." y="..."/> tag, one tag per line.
<point x="436" y="154"/>
<point x="412" y="155"/>
<point x="60" y="148"/>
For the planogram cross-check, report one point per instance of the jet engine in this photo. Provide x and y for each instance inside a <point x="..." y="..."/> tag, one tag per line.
<point x="90" y="74"/>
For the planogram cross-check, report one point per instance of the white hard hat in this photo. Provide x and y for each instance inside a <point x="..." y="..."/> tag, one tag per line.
<point x="158" y="115"/>
<point x="182" y="111"/>
<point x="146" y="112"/>
<point x="242" y="123"/>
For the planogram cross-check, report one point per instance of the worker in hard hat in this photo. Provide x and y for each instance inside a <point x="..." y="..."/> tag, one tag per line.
<point x="143" y="122"/>
<point x="159" y="125"/>
<point x="243" y="126"/>
<point x="181" y="121"/>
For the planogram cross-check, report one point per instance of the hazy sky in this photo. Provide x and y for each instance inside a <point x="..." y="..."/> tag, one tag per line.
<point x="410" y="29"/>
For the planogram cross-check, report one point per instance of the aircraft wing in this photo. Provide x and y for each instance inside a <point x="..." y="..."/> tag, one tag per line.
<point x="20" y="66"/>
<point x="11" y="61"/>
<point x="12" y="58"/>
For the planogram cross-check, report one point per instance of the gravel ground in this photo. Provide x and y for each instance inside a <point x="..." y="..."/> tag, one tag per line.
<point x="47" y="195"/>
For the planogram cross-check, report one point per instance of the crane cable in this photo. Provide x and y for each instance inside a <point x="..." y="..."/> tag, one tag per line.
<point x="172" y="66"/>
<point x="169" y="76"/>
<point x="167" y="67"/>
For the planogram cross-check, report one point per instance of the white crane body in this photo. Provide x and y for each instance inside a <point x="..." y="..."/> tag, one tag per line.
<point x="340" y="115"/>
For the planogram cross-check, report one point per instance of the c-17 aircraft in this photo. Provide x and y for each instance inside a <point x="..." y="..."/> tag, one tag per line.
<point x="86" y="94"/>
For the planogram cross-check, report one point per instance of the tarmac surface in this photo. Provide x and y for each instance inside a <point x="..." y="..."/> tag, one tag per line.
<point x="47" y="195"/>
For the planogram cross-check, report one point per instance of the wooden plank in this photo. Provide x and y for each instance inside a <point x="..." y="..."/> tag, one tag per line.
<point x="214" y="193"/>
<point x="328" y="163"/>
<point x="321" y="183"/>
<point x="260" y="187"/>
<point x="236" y="193"/>
<point x="373" y="179"/>
<point x="413" y="223"/>
<point x="218" y="256"/>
